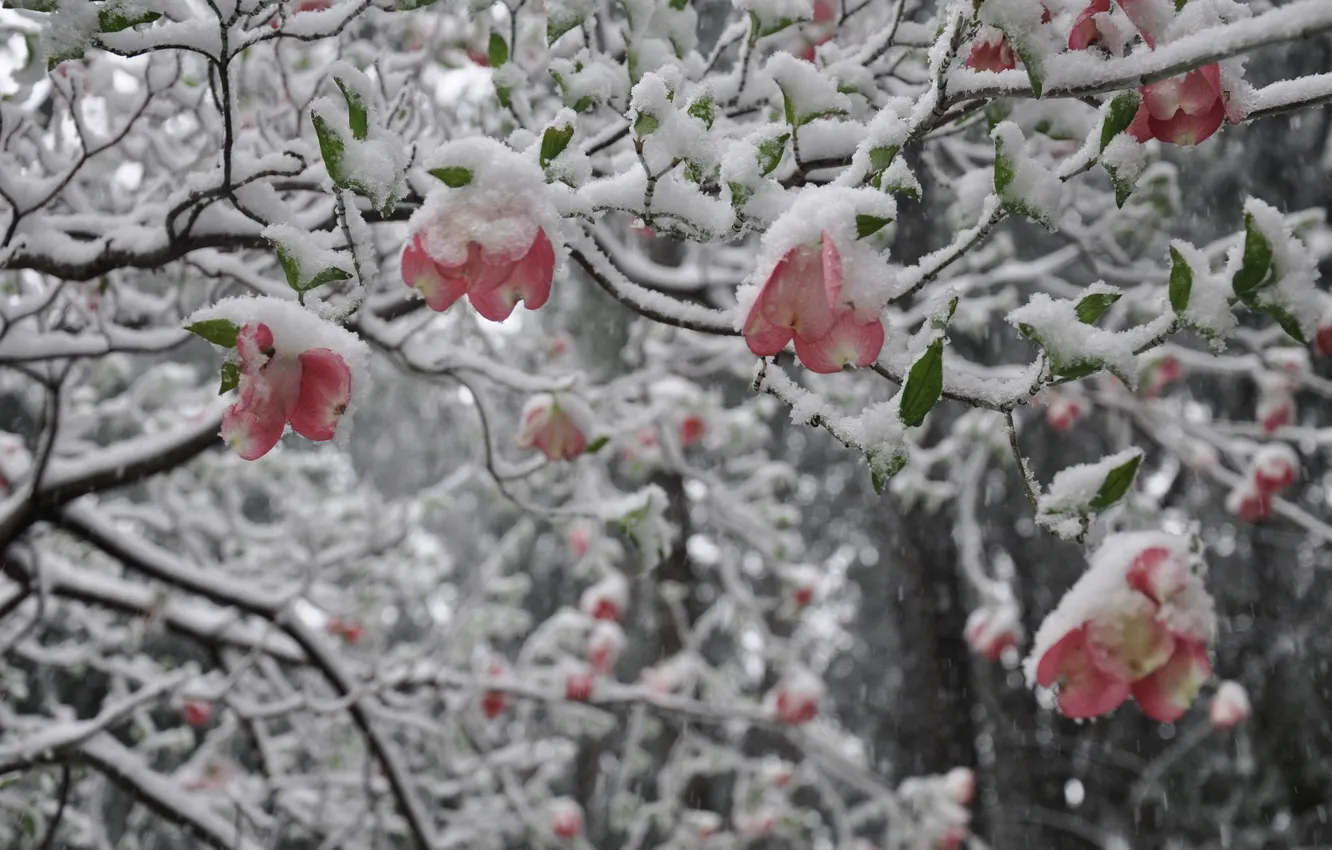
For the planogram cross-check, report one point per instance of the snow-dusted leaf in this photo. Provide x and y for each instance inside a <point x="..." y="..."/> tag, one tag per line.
<point x="217" y="331"/>
<point x="1181" y="281"/>
<point x="453" y="176"/>
<point x="924" y="384"/>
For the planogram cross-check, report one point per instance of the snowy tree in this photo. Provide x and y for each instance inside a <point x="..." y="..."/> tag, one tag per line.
<point x="664" y="424"/>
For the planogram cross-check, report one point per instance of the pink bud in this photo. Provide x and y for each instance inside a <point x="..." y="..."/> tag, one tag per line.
<point x="991" y="51"/>
<point x="606" y="600"/>
<point x="1274" y="468"/>
<point x="604" y="644"/>
<point x="1158" y="573"/>
<point x="566" y="818"/>
<point x="1323" y="336"/>
<point x="1230" y="706"/>
<point x="1064" y="410"/>
<point x="558" y="429"/>
<point x="197" y="713"/>
<point x="1249" y="503"/>
<point x="992" y="628"/>
<point x="692" y="428"/>
<point x="580" y="539"/>
<point x="796" y="698"/>
<point x="348" y="631"/>
<point x="578" y="685"/>
<point x="802" y="595"/>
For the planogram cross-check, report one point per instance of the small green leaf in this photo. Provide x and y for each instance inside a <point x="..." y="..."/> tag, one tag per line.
<point x="770" y="153"/>
<point x="553" y="143"/>
<point x="1116" y="484"/>
<point x="704" y="110"/>
<point x="558" y="26"/>
<point x="117" y="19"/>
<point x="679" y="5"/>
<point x="1123" y="187"/>
<point x="867" y="225"/>
<point x="217" y="331"/>
<point x="645" y="124"/>
<point x="331" y="148"/>
<point x="1093" y="306"/>
<point x="586" y="103"/>
<point x="1257" y="270"/>
<point x="230" y="377"/>
<point x="329" y="275"/>
<point x="357" y="114"/>
<point x="1078" y="369"/>
<point x="740" y="194"/>
<point x="758" y="29"/>
<point x="497" y="51"/>
<point x="924" y="385"/>
<point x="881" y="158"/>
<point x="883" y="466"/>
<point x="1181" y="281"/>
<point x="597" y="445"/>
<point x="1288" y="323"/>
<point x="1033" y="61"/>
<point x="1123" y="108"/>
<point x="453" y="176"/>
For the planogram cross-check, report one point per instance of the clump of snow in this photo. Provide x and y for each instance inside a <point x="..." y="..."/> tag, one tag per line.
<point x="297" y="329"/>
<point x="376" y="166"/>
<point x="1073" y="489"/>
<point x="807" y="91"/>
<point x="1030" y="188"/>
<point x="1208" y="311"/>
<point x="1071" y="344"/>
<point x="1124" y="158"/>
<point x="1103" y="593"/>
<point x="312" y="253"/>
<point x="1294" y="269"/>
<point x="500" y="209"/>
<point x="585" y="78"/>
<point x="772" y="13"/>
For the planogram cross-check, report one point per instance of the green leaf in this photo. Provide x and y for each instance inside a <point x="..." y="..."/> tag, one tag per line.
<point x="1123" y="108"/>
<point x="1181" y="281"/>
<point x="331" y="148"/>
<point x="1288" y="323"/>
<point x="597" y="445"/>
<point x="230" y="377"/>
<point x="704" y="110"/>
<point x="881" y="158"/>
<point x="117" y="18"/>
<point x="1116" y="484"/>
<point x="556" y="27"/>
<point x="1257" y="271"/>
<point x="329" y="275"/>
<point x="586" y="103"/>
<point x="454" y="176"/>
<point x="924" y="385"/>
<point x="883" y="466"/>
<point x="679" y="5"/>
<point x="1033" y="61"/>
<point x="221" y="332"/>
<point x="553" y="143"/>
<point x="645" y="124"/>
<point x="740" y="194"/>
<point x="770" y="153"/>
<point x="1123" y="187"/>
<point x="410" y="5"/>
<point x="867" y="225"/>
<point x="1093" y="306"/>
<point x="497" y="51"/>
<point x="1078" y="369"/>
<point x="28" y="820"/>
<point x="358" y="115"/>
<point x="758" y="29"/>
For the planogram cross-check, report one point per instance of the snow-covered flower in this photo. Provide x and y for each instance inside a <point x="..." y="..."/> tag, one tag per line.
<point x="1064" y="410"/>
<point x="993" y="628"/>
<point x="607" y="599"/>
<point x="309" y="389"/>
<point x="1086" y="30"/>
<point x="990" y="51"/>
<point x="558" y="427"/>
<point x="1230" y="705"/>
<point x="1274" y="468"/>
<point x="566" y="818"/>
<point x="493" y="281"/>
<point x="197" y="712"/>
<point x="1184" y="110"/>
<point x="802" y="299"/>
<point x="795" y="699"/>
<point x="692" y="429"/>
<point x="1137" y="623"/>
<point x="605" y="642"/>
<point x="494" y="702"/>
<point x="579" y="684"/>
<point x="1248" y="502"/>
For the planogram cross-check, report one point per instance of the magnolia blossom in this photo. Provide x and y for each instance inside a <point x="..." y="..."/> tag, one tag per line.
<point x="566" y="818"/>
<point x="993" y="628"/>
<point x="558" y="427"/>
<point x="1230" y="705"/>
<point x="990" y="51"/>
<point x="1137" y="623"/>
<point x="309" y="389"/>
<point x="1184" y="110"/>
<point x="607" y="599"/>
<point x="197" y="713"/>
<point x="795" y="699"/>
<point x="494" y="280"/>
<point x="604" y="644"/>
<point x="802" y="299"/>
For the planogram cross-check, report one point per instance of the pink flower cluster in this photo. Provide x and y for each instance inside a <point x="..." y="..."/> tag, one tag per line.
<point x="795" y="699"/>
<point x="494" y="281"/>
<point x="309" y="390"/>
<point x="1137" y="624"/>
<point x="558" y="430"/>
<point x="802" y="300"/>
<point x="992" y="628"/>
<point x="1272" y="469"/>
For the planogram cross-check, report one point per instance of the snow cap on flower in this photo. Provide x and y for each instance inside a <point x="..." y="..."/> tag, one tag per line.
<point x="1274" y="467"/>
<point x="605" y="642"/>
<point x="1230" y="705"/>
<point x="607" y="599"/>
<point x="1137" y="623"/>
<point x="1249" y="502"/>
<point x="795" y="699"/>
<point x="992" y="628"/>
<point x="990" y="51"/>
<point x="566" y="817"/>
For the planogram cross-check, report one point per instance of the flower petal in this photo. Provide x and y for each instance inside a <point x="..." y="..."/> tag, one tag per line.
<point x="426" y="276"/>
<point x="1084" y="689"/>
<point x="795" y="295"/>
<point x="1130" y="645"/>
<point x="1085" y="32"/>
<point x="1166" y="694"/>
<point x="254" y="343"/>
<point x="849" y="342"/>
<point x="832" y="270"/>
<point x="1186" y="129"/>
<point x="325" y="392"/>
<point x="763" y="337"/>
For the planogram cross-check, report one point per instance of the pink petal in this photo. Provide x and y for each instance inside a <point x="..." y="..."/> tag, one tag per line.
<point x="1157" y="573"/>
<point x="1200" y="90"/>
<point x="1129" y="647"/>
<point x="1085" y="32"/>
<point x="423" y="274"/>
<point x="1163" y="98"/>
<point x="1139" y="12"/>
<point x="1166" y="694"/>
<point x="529" y="281"/>
<point x="254" y="343"/>
<point x="796" y="293"/>
<point x="1084" y="689"/>
<point x="832" y="270"/>
<point x="763" y="337"/>
<point x="253" y="425"/>
<point x="1141" y="128"/>
<point x="1186" y="129"/>
<point x="324" y="394"/>
<point x="991" y="54"/>
<point x="849" y="342"/>
<point x="250" y="432"/>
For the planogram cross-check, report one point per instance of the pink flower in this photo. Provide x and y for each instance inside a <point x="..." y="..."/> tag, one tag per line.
<point x="1274" y="468"/>
<point x="802" y="300"/>
<point x="1085" y="31"/>
<point x="566" y="818"/>
<point x="1323" y="336"/>
<point x="309" y="390"/>
<point x="580" y="539"/>
<point x="604" y="644"/>
<point x="493" y="703"/>
<point x="991" y="629"/>
<point x="795" y="699"/>
<point x="1249" y="503"/>
<point x="348" y="631"/>
<point x="607" y="599"/>
<point x="197" y="713"/>
<point x="558" y="430"/>
<point x="578" y="685"/>
<point x="1147" y="643"/>
<point x="692" y="428"/>
<point x="1163" y="372"/>
<point x="990" y="51"/>
<point x="1063" y="410"/>
<point x="1230" y="706"/>
<point x="1275" y="410"/>
<point x="493" y="281"/>
<point x="802" y="595"/>
<point x="1184" y="110"/>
